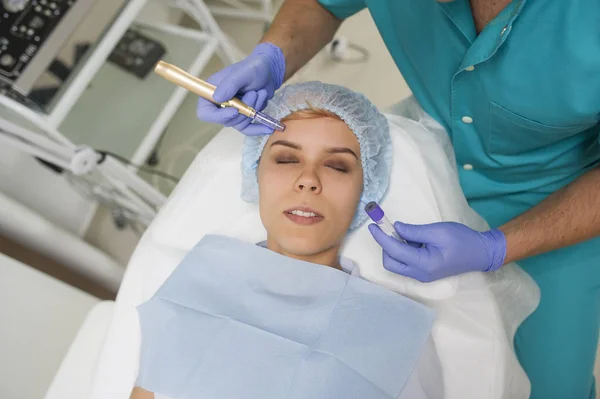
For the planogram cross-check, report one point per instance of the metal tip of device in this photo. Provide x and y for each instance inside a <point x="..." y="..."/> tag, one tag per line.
<point x="268" y="121"/>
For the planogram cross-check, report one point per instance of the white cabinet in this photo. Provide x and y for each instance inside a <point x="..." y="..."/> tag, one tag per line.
<point x="39" y="318"/>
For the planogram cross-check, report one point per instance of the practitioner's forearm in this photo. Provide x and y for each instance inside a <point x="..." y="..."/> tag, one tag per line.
<point x="567" y="217"/>
<point x="301" y="28"/>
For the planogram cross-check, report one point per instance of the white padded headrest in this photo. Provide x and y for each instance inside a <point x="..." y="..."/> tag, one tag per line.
<point x="424" y="188"/>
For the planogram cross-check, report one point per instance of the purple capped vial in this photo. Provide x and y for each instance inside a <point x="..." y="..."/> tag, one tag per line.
<point x="376" y="214"/>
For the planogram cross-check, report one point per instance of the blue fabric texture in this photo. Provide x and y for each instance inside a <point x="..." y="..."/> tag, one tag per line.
<point x="235" y="320"/>
<point x="362" y="117"/>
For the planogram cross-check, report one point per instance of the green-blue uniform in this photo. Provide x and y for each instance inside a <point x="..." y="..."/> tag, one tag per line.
<point x="521" y="102"/>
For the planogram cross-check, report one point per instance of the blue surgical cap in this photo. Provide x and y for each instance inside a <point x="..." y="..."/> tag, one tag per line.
<point x="361" y="116"/>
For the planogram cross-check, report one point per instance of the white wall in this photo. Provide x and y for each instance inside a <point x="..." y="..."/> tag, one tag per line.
<point x="39" y="318"/>
<point x="157" y="11"/>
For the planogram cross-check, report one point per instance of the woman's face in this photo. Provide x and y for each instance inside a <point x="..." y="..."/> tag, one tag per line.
<point x="310" y="182"/>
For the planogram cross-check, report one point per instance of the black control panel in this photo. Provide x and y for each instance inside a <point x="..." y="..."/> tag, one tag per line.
<point x="137" y="53"/>
<point x="25" y="25"/>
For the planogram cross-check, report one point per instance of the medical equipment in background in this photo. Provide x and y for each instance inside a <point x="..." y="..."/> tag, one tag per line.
<point x="137" y="53"/>
<point x="376" y="214"/>
<point x="102" y="177"/>
<point x="32" y="33"/>
<point x="206" y="42"/>
<point x="109" y="181"/>
<point x="205" y="90"/>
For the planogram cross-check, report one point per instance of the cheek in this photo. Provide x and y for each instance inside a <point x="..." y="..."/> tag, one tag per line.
<point x="345" y="193"/>
<point x="272" y="185"/>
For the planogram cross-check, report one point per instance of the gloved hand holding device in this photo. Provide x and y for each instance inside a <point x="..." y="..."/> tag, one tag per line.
<point x="255" y="79"/>
<point x="448" y="249"/>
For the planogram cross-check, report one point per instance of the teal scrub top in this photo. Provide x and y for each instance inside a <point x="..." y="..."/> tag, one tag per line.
<point x="520" y="101"/>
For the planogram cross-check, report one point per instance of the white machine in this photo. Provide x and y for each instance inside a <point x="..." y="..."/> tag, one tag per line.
<point x="477" y="313"/>
<point x="95" y="102"/>
<point x="103" y="178"/>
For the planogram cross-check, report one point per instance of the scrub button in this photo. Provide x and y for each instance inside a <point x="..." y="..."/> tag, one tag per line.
<point x="470" y="68"/>
<point x="503" y="31"/>
<point x="468" y="166"/>
<point x="467" y="119"/>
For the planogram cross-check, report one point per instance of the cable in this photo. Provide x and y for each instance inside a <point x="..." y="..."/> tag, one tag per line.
<point x="154" y="159"/>
<point x="161" y="138"/>
<point x="138" y="167"/>
<point x="22" y="99"/>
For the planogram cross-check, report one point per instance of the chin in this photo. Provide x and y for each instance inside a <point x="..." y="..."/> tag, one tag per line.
<point x="303" y="246"/>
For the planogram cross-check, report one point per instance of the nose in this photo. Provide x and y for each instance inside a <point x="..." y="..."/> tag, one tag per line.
<point x="308" y="181"/>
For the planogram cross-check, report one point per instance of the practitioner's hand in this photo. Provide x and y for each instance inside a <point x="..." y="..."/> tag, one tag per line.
<point x="254" y="79"/>
<point x="448" y="249"/>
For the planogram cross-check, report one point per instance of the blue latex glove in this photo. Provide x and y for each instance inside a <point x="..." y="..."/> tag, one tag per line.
<point x="254" y="80"/>
<point x="448" y="249"/>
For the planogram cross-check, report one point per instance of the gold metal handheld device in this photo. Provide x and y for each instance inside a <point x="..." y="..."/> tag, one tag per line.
<point x="205" y="90"/>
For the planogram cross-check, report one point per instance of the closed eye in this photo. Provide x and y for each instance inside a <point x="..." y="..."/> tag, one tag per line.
<point x="338" y="168"/>
<point x="285" y="162"/>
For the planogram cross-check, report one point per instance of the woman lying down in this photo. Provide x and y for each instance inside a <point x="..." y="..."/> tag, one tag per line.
<point x="290" y="318"/>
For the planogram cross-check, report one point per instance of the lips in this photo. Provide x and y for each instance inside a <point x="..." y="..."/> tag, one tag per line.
<point x="303" y="216"/>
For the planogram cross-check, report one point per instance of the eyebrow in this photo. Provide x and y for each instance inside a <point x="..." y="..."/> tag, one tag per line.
<point x="335" y="150"/>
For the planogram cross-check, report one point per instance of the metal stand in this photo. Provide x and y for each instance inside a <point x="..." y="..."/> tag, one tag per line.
<point x="110" y="182"/>
<point x="105" y="180"/>
<point x="240" y="9"/>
